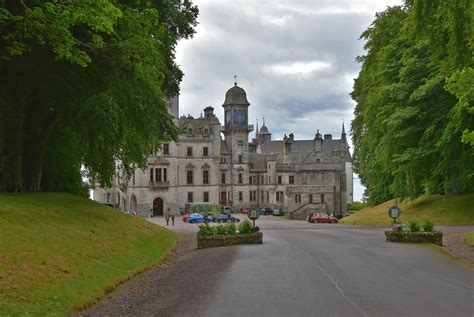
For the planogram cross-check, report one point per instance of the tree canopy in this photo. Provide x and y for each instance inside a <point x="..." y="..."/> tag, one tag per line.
<point x="86" y="83"/>
<point x="413" y="129"/>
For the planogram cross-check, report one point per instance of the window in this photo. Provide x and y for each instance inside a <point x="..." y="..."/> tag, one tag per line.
<point x="268" y="196"/>
<point x="190" y="197"/>
<point x="190" y="131"/>
<point x="240" y="159"/>
<point x="190" y="151"/>
<point x="269" y="179"/>
<point x="322" y="198"/>
<point x="166" y="149"/>
<point x="108" y="197"/>
<point x="189" y="175"/>
<point x="223" y="178"/>
<point x="279" y="179"/>
<point x="165" y="175"/>
<point x="205" y="151"/>
<point x="223" y="160"/>
<point x="206" y="132"/>
<point x="298" y="199"/>
<point x="261" y="179"/>
<point x="205" y="177"/>
<point x="157" y="174"/>
<point x="205" y="197"/>
<point x="310" y="199"/>
<point x="269" y="166"/>
<point x="251" y="180"/>
<point x="240" y="178"/>
<point x="241" y="196"/>
<point x="253" y="195"/>
<point x="279" y="196"/>
<point x="151" y="175"/>
<point x="318" y="160"/>
<point x="291" y="179"/>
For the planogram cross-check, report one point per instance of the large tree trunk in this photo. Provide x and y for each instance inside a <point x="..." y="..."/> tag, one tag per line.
<point x="37" y="154"/>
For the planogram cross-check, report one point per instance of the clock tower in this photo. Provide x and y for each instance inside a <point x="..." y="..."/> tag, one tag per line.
<point x="236" y="132"/>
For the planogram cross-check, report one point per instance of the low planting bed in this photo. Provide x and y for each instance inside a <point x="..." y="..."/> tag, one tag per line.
<point x="221" y="240"/>
<point x="414" y="237"/>
<point x="224" y="235"/>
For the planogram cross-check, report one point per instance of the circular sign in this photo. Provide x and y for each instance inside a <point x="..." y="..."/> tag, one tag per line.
<point x="394" y="212"/>
<point x="253" y="214"/>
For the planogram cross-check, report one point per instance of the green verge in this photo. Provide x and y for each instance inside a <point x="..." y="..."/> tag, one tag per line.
<point x="60" y="252"/>
<point x="470" y="238"/>
<point x="442" y="210"/>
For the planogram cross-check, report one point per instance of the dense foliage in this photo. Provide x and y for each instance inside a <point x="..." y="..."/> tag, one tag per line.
<point x="85" y="83"/>
<point x="413" y="130"/>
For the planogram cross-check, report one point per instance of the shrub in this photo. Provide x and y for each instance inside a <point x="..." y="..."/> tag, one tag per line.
<point x="231" y="228"/>
<point x="414" y="225"/>
<point x="428" y="226"/>
<point x="205" y="230"/>
<point x="245" y="227"/>
<point x="220" y="229"/>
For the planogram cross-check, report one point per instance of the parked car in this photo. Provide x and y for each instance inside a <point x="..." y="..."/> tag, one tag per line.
<point x="195" y="218"/>
<point x="227" y="209"/>
<point x="244" y="211"/>
<point x="323" y="218"/>
<point x="278" y="212"/>
<point x="185" y="217"/>
<point x="266" y="211"/>
<point x="226" y="218"/>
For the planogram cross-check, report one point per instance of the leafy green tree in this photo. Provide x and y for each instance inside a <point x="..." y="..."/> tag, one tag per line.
<point x="95" y="75"/>
<point x="414" y="93"/>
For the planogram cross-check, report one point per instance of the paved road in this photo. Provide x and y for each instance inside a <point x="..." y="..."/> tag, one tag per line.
<point x="341" y="271"/>
<point x="301" y="269"/>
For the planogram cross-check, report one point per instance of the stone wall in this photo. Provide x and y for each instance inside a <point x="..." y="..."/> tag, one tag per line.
<point x="414" y="237"/>
<point x="217" y="240"/>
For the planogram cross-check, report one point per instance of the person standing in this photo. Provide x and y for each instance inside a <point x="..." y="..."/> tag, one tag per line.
<point x="172" y="219"/>
<point x="167" y="217"/>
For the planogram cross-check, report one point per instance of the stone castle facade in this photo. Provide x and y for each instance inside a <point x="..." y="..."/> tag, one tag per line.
<point x="297" y="175"/>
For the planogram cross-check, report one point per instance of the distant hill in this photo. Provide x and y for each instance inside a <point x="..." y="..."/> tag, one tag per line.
<point x="442" y="210"/>
<point x="59" y="252"/>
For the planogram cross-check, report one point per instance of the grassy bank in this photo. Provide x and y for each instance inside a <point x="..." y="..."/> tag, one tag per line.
<point x="470" y="238"/>
<point x="59" y="252"/>
<point x="442" y="210"/>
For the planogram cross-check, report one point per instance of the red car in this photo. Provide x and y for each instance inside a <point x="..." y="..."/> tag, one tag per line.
<point x="244" y="211"/>
<point x="324" y="218"/>
<point x="185" y="217"/>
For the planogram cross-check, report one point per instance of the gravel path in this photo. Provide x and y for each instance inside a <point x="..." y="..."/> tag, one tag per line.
<point x="456" y="244"/>
<point x="181" y="286"/>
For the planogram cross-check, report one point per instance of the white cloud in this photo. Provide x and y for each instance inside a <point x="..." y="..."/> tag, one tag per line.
<point x="298" y="68"/>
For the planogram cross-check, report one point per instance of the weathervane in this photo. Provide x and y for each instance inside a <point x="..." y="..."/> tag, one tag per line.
<point x="235" y="79"/>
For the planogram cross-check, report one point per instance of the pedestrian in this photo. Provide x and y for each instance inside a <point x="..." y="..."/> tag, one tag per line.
<point x="167" y="217"/>
<point x="172" y="219"/>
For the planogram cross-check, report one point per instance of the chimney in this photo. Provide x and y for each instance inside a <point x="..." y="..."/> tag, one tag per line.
<point x="208" y="112"/>
<point x="318" y="142"/>
<point x="291" y="137"/>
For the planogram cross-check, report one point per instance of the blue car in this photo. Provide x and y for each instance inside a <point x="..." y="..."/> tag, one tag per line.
<point x="198" y="218"/>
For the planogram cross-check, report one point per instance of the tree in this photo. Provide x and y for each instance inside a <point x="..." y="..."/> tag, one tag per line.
<point x="414" y="115"/>
<point x="98" y="72"/>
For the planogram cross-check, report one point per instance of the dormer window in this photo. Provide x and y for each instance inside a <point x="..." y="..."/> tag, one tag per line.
<point x="190" y="130"/>
<point x="206" y="132"/>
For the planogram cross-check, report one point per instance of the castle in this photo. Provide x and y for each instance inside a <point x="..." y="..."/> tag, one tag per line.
<point x="297" y="175"/>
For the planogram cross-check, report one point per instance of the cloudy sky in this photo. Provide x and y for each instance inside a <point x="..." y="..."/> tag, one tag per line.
<point x="295" y="59"/>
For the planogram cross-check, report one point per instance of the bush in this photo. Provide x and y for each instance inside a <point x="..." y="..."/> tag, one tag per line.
<point x="356" y="206"/>
<point x="414" y="225"/>
<point x="206" y="230"/>
<point x="220" y="229"/>
<point x="245" y="227"/>
<point x="231" y="228"/>
<point x="428" y="226"/>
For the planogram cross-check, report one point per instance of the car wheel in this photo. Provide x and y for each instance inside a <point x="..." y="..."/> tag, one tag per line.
<point x="333" y="221"/>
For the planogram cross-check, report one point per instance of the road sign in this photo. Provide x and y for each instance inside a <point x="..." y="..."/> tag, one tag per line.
<point x="253" y="214"/>
<point x="394" y="213"/>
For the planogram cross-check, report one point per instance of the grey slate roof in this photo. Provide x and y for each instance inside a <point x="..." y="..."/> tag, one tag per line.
<point x="236" y="96"/>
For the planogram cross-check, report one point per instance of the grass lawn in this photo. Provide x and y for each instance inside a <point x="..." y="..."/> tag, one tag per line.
<point x="442" y="210"/>
<point x="59" y="252"/>
<point x="470" y="238"/>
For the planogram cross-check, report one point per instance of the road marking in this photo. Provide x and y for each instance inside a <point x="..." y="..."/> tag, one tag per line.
<point x="332" y="280"/>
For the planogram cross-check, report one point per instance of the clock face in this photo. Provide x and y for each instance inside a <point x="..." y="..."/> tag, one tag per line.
<point x="228" y="119"/>
<point x="239" y="117"/>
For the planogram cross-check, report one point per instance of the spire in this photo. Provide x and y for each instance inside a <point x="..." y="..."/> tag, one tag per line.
<point x="256" y="131"/>
<point x="343" y="134"/>
<point x="235" y="80"/>
<point x="263" y="118"/>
